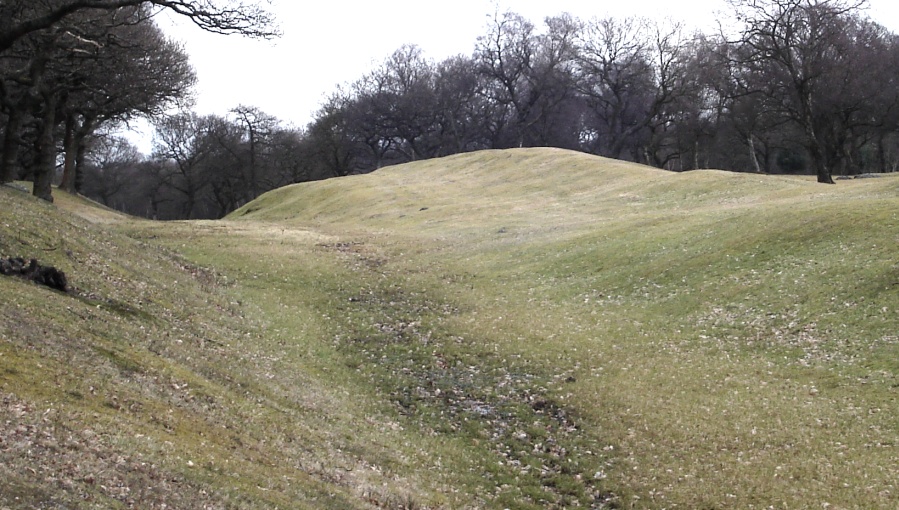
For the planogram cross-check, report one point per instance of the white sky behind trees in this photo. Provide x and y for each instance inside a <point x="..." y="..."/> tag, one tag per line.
<point x="332" y="42"/>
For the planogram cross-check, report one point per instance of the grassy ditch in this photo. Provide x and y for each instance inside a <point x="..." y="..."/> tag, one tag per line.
<point x="729" y="339"/>
<point x="156" y="382"/>
<point x="512" y="329"/>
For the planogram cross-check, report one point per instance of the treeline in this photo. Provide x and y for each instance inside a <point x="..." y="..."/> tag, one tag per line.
<point x="201" y="166"/>
<point x="70" y="69"/>
<point x="799" y="86"/>
<point x="60" y="85"/>
<point x="796" y="86"/>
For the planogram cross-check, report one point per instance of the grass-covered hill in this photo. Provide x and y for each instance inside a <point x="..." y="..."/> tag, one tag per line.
<point x="505" y="329"/>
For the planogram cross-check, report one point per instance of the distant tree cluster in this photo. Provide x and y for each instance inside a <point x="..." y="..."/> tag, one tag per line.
<point x="200" y="167"/>
<point x="69" y="68"/>
<point x="795" y="86"/>
<point x="799" y="86"/>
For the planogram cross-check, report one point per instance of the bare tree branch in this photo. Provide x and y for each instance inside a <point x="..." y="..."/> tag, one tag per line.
<point x="230" y="17"/>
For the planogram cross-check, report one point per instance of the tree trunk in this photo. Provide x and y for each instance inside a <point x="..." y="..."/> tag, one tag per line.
<point x="753" y="156"/>
<point x="819" y="159"/>
<point x="73" y="176"/>
<point x="80" y="153"/>
<point x="254" y="185"/>
<point x="70" y="149"/>
<point x="191" y="196"/>
<point x="9" y="170"/>
<point x="696" y="155"/>
<point x="45" y="151"/>
<point x="815" y="148"/>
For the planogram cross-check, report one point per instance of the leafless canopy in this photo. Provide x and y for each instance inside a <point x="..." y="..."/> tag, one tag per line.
<point x="22" y="17"/>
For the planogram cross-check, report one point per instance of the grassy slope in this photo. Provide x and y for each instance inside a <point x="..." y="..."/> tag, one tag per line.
<point x="733" y="337"/>
<point x="157" y="382"/>
<point x="503" y="329"/>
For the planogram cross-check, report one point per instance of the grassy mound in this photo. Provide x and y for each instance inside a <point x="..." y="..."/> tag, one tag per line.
<point x="733" y="337"/>
<point x="506" y="329"/>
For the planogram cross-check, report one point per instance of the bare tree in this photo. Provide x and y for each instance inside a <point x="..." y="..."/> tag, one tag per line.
<point x="633" y="76"/>
<point x="798" y="45"/>
<point x="53" y="56"/>
<point x="505" y="56"/>
<point x="463" y="112"/>
<point x="529" y="76"/>
<point x="136" y="71"/>
<point x="616" y="80"/>
<point x="111" y="165"/>
<point x="801" y="79"/>
<point x="259" y="128"/>
<point x="399" y="102"/>
<point x="91" y="68"/>
<point x="181" y="145"/>
<point x="23" y="17"/>
<point x="24" y="92"/>
<point x="333" y="145"/>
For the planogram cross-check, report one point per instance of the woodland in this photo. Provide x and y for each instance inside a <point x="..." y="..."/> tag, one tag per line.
<point x="785" y="86"/>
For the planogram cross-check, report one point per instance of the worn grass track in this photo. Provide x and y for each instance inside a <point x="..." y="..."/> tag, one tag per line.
<point x="506" y="329"/>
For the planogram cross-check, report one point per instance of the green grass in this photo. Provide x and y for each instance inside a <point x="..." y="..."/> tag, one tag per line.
<point x="189" y="395"/>
<point x="505" y="329"/>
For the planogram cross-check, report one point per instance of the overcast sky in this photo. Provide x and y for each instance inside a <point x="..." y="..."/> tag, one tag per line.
<point x="332" y="42"/>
